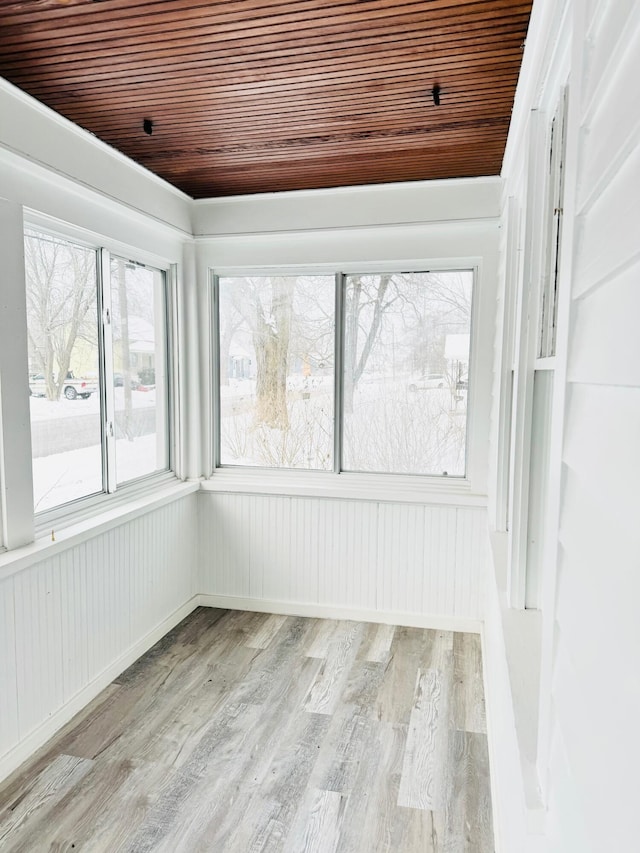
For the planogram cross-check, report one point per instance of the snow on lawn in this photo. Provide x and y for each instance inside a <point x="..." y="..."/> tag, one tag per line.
<point x="45" y="410"/>
<point x="64" y="477"/>
<point x="390" y="429"/>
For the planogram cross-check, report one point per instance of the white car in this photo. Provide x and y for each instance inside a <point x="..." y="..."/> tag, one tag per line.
<point x="71" y="389"/>
<point x="431" y="380"/>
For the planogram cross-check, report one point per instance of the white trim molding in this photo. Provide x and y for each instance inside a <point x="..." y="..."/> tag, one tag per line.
<point x="356" y="614"/>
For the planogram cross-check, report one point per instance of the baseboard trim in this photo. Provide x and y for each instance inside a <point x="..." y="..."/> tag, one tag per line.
<point x="40" y="735"/>
<point x="324" y="611"/>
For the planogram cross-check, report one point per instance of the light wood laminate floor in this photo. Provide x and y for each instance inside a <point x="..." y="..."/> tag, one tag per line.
<point x="249" y="732"/>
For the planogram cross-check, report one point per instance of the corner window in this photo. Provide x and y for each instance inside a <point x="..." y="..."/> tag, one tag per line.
<point x="97" y="369"/>
<point x="352" y="372"/>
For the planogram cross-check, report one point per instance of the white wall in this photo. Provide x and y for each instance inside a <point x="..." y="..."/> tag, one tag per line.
<point x="75" y="612"/>
<point x="588" y="744"/>
<point x="371" y="546"/>
<point x="595" y="679"/>
<point x="379" y="561"/>
<point x="71" y="621"/>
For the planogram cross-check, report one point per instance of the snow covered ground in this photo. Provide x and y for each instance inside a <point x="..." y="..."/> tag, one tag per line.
<point x="63" y="477"/>
<point x="390" y="429"/>
<point x="45" y="410"/>
<point x="66" y="437"/>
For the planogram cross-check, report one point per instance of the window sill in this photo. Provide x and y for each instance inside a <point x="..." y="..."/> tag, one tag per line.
<point x="12" y="562"/>
<point x="89" y="507"/>
<point x="394" y="488"/>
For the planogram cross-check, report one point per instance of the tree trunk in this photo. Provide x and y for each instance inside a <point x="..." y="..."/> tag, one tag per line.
<point x="271" y="343"/>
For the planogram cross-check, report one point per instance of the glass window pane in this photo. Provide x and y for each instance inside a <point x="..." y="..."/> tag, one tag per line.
<point x="276" y="371"/>
<point x="406" y="369"/>
<point x="63" y="370"/>
<point x="138" y="324"/>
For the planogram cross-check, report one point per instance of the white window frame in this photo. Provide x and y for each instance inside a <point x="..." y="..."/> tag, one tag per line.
<point x="16" y="487"/>
<point x="535" y="325"/>
<point x="358" y="485"/>
<point x="45" y="523"/>
<point x="510" y="280"/>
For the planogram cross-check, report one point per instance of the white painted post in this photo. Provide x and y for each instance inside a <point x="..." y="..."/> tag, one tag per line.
<point x="16" y="477"/>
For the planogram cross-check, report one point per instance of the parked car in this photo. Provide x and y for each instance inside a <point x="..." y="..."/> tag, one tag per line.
<point x="118" y="381"/>
<point x="73" y="387"/>
<point x="431" y="380"/>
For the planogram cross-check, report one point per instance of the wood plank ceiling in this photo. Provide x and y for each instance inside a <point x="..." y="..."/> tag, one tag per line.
<point x="250" y="96"/>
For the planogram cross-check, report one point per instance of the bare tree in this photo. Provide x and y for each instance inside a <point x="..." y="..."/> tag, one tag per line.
<point x="61" y="303"/>
<point x="271" y="336"/>
<point x="368" y="298"/>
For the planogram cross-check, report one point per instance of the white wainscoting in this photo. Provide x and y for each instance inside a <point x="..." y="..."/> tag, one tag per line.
<point x="413" y="564"/>
<point x="71" y="623"/>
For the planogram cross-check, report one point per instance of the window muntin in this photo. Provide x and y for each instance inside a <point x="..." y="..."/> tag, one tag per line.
<point x="406" y="367"/>
<point x="276" y="374"/>
<point x="88" y="434"/>
<point x="64" y="358"/>
<point x="139" y="362"/>
<point x="403" y="372"/>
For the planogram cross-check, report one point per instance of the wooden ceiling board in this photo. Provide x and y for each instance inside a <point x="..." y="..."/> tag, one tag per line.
<point x="261" y="50"/>
<point x="255" y="96"/>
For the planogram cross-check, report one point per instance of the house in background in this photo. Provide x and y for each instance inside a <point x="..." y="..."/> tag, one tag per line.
<point x="536" y="546"/>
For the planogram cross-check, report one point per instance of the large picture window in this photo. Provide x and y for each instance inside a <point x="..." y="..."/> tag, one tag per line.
<point x="97" y="369"/>
<point x="378" y="385"/>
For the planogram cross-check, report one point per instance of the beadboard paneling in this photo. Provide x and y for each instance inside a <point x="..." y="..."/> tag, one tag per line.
<point x="66" y="620"/>
<point x="359" y="555"/>
<point x="8" y="674"/>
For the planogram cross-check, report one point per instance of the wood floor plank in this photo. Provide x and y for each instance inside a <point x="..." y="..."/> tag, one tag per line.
<point x="241" y="790"/>
<point x="26" y="815"/>
<point x="263" y="635"/>
<point x="372" y="819"/>
<point x="84" y="820"/>
<point x="325" y="692"/>
<point x="424" y="768"/>
<point x="274" y="806"/>
<point x="172" y="731"/>
<point x="22" y="779"/>
<point x="251" y="733"/>
<point x="230" y="761"/>
<point x="410" y="648"/>
<point x="468" y="826"/>
<point x="380" y="647"/>
<point x="468" y="693"/>
<point x="320" y="636"/>
<point x="318" y="825"/>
